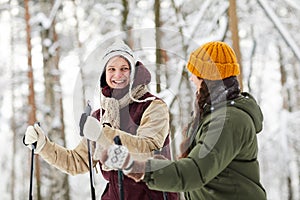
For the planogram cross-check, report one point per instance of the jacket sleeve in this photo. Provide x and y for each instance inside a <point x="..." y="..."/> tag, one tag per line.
<point x="69" y="161"/>
<point x="216" y="146"/>
<point x="150" y="135"/>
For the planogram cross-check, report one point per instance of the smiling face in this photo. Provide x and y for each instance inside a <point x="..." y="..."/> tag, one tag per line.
<point x="117" y="72"/>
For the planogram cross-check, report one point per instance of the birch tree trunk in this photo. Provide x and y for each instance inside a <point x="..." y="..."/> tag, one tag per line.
<point x="286" y="106"/>
<point x="158" y="55"/>
<point x="125" y="26"/>
<point x="13" y="128"/>
<point x="56" y="182"/>
<point x="13" y="118"/>
<point x="80" y="56"/>
<point x="233" y="24"/>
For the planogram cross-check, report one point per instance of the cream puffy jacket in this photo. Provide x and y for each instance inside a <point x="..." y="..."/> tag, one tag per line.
<point x="150" y="135"/>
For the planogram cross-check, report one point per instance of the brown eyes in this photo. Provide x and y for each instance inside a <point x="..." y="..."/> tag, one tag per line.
<point x="123" y="69"/>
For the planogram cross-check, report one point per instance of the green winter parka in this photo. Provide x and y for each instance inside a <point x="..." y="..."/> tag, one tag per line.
<point x="222" y="163"/>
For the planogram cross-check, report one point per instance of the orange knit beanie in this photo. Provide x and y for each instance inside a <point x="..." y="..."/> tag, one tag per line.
<point x="213" y="61"/>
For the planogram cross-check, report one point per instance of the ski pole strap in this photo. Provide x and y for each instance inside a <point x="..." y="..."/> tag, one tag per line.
<point x="33" y="145"/>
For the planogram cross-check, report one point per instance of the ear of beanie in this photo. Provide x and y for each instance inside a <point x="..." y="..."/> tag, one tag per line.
<point x="213" y="61"/>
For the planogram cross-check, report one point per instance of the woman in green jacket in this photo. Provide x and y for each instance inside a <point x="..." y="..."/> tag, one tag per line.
<point x="220" y="161"/>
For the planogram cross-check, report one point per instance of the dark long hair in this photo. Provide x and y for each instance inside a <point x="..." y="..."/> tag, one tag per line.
<point x="210" y="94"/>
<point x="214" y="92"/>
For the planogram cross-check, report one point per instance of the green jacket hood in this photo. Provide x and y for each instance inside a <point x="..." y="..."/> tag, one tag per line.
<point x="248" y="104"/>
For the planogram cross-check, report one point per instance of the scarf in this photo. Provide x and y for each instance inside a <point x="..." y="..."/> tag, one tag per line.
<point x="112" y="106"/>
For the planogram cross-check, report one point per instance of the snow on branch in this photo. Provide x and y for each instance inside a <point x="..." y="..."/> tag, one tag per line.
<point x="282" y="30"/>
<point x="53" y="12"/>
<point x="199" y="18"/>
<point x="45" y="21"/>
<point x="294" y="3"/>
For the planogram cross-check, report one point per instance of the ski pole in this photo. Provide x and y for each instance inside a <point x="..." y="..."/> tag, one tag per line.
<point x="82" y="121"/>
<point x="91" y="171"/>
<point x="117" y="141"/>
<point x="33" y="147"/>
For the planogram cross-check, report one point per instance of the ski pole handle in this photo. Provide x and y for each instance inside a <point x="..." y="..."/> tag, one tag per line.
<point x="84" y="116"/>
<point x="117" y="141"/>
<point x="33" y="145"/>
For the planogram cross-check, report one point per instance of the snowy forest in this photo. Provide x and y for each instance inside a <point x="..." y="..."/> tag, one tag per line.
<point x="49" y="67"/>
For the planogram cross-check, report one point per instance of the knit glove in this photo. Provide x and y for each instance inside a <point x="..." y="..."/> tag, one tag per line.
<point x="35" y="134"/>
<point x="118" y="157"/>
<point x="92" y="129"/>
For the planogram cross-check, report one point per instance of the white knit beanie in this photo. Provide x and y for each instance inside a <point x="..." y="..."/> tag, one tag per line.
<point x="119" y="48"/>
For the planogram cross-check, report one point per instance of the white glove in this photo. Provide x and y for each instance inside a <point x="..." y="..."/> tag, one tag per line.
<point x="92" y="129"/>
<point x="118" y="157"/>
<point x="35" y="134"/>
